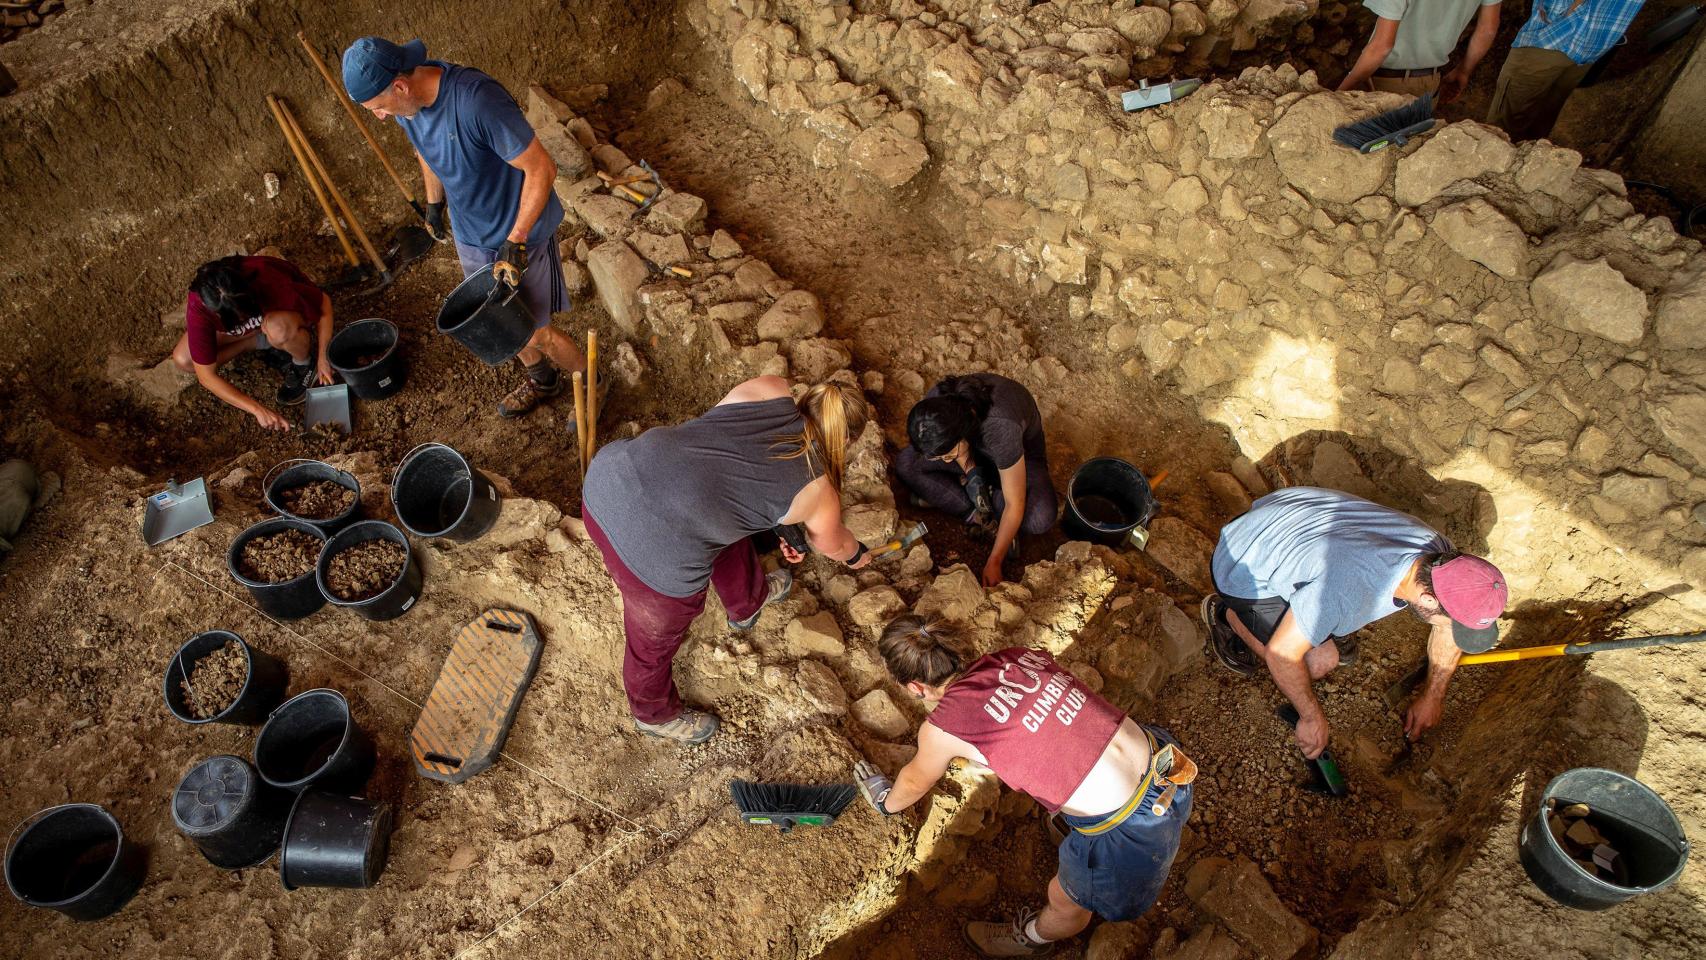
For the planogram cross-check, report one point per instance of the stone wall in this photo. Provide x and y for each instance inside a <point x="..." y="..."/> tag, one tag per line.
<point x="1494" y="312"/>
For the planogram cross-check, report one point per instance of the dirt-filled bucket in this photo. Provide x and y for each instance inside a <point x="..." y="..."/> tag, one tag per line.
<point x="1109" y="502"/>
<point x="313" y="740"/>
<point x="223" y="697"/>
<point x="335" y="841"/>
<point x="365" y="354"/>
<point x="289" y="599"/>
<point x="233" y="816"/>
<point x="437" y="493"/>
<point x="487" y="317"/>
<point x="361" y="586"/>
<point x="74" y="858"/>
<point x="1644" y="845"/>
<point x="311" y="504"/>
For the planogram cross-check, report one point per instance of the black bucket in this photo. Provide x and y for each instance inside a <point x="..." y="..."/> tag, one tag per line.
<point x="393" y="601"/>
<point x="262" y="691"/>
<point x="301" y="472"/>
<point x="376" y="340"/>
<point x="334" y="841"/>
<point x="74" y="858"/>
<point x="232" y="815"/>
<point x="493" y="323"/>
<point x="1634" y="821"/>
<point x="292" y="599"/>
<point x="312" y="740"/>
<point x="437" y="493"/>
<point x="1109" y="502"/>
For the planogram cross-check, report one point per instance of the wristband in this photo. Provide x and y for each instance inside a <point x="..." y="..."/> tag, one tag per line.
<point x="856" y="555"/>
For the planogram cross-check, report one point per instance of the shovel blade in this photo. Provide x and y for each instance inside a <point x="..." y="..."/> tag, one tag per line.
<point x="408" y="244"/>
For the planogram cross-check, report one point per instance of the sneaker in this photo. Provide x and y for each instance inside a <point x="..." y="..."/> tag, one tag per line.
<point x="780" y="584"/>
<point x="1228" y="647"/>
<point x="276" y="358"/>
<point x="295" y="387"/>
<point x="528" y="394"/>
<point x="994" y="938"/>
<point x="603" y="395"/>
<point x="1347" y="649"/>
<point x="690" y="726"/>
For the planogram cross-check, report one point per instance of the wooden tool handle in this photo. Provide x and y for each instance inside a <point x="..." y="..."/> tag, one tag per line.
<point x="308" y="174"/>
<point x="590" y="437"/>
<point x="349" y="108"/>
<point x="332" y="188"/>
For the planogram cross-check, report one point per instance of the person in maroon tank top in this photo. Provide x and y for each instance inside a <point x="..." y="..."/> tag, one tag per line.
<point x="1119" y="791"/>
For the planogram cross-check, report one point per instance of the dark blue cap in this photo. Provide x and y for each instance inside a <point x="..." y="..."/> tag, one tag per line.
<point x="371" y="63"/>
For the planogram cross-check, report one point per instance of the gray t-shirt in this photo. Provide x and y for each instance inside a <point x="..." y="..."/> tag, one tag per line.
<point x="1335" y="558"/>
<point x="673" y="498"/>
<point x="1428" y="30"/>
<point x="1013" y="424"/>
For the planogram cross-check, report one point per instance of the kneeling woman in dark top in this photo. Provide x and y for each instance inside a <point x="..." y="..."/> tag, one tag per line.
<point x="977" y="453"/>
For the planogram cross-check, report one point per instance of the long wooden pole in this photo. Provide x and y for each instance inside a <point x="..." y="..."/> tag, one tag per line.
<point x="580" y="419"/>
<point x="308" y="174"/>
<point x="590" y="438"/>
<point x="339" y="96"/>
<point x="337" y="195"/>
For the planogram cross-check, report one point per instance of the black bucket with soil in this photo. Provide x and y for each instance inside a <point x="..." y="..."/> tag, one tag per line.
<point x="312" y="740"/>
<point x="233" y="816"/>
<point x="74" y="858"/>
<point x="228" y="680"/>
<point x="365" y="354"/>
<point x="315" y="492"/>
<point x="274" y="560"/>
<point x="437" y="493"/>
<point x="1109" y="502"/>
<point x="367" y="567"/>
<point x="487" y="317"/>
<point x="335" y="841"/>
<point x="1600" y="838"/>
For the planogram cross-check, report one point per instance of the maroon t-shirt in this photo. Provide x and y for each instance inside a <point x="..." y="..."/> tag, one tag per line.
<point x="1040" y="728"/>
<point x="278" y="285"/>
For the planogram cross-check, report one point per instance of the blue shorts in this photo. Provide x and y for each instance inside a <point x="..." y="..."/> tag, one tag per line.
<point x="542" y="287"/>
<point x="1118" y="872"/>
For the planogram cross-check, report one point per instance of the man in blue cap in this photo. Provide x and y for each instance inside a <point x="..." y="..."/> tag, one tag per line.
<point x="477" y="150"/>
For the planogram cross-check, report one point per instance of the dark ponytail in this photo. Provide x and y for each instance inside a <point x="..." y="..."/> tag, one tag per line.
<point x="224" y="288"/>
<point x="937" y="423"/>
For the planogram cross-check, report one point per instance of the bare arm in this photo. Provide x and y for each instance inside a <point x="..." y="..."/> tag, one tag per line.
<point x="1443" y="655"/>
<point x="431" y="187"/>
<point x="936" y="750"/>
<point x="323" y="340"/>
<point x="757" y="389"/>
<point x="207" y="375"/>
<point x="1481" y="41"/>
<point x="1373" y="55"/>
<point x="541" y="174"/>
<point x="1012" y="515"/>
<point x="818" y="506"/>
<point x="1286" y="651"/>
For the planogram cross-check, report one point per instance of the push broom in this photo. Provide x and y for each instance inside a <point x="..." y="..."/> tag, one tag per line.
<point x="788" y="805"/>
<point x="1394" y="128"/>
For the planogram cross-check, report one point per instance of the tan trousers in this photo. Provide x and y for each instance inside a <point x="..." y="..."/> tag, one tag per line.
<point x="1533" y="86"/>
<point x="1413" y="86"/>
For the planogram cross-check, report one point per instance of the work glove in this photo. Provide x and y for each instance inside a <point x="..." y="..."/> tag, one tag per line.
<point x="982" y="499"/>
<point x="433" y="215"/>
<point x="873" y="785"/>
<point x="511" y="262"/>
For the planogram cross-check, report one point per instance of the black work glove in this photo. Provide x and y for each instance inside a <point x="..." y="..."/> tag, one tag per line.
<point x="433" y="215"/>
<point x="511" y="262"/>
<point x="982" y="499"/>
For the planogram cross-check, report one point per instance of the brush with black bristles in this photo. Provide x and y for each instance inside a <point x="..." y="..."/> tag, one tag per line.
<point x="787" y="805"/>
<point x="1394" y="128"/>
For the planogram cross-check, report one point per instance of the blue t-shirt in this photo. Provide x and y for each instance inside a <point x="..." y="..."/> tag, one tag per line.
<point x="1335" y="558"/>
<point x="468" y="137"/>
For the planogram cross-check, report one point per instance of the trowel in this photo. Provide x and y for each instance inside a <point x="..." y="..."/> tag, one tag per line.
<point x="1148" y="96"/>
<point x="176" y="510"/>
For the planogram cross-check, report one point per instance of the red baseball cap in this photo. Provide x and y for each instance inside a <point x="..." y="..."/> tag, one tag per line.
<point x="1472" y="592"/>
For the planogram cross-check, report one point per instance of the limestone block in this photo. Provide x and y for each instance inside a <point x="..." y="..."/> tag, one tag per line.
<point x="1475" y="230"/>
<point x="956" y="74"/>
<point x="1642" y="496"/>
<point x="723" y="246"/>
<point x="1592" y="297"/>
<point x="871" y="523"/>
<point x="1235" y="893"/>
<point x="873" y="608"/>
<point x="877" y="712"/>
<point x="795" y="314"/>
<point x="1300" y="140"/>
<point x="1232" y="131"/>
<point x="750" y="59"/>
<point x="889" y="158"/>
<point x="681" y="212"/>
<point x="1228" y="492"/>
<point x="617" y="273"/>
<point x="663" y="250"/>
<point x="1462" y="151"/>
<point x="1180" y="638"/>
<point x="1183" y="550"/>
<point x="816" y="635"/>
<point x="814" y="360"/>
<point x="573" y="161"/>
<point x="954" y="595"/>
<point x="1680" y="320"/>
<point x="158" y="386"/>
<point x="1186" y="195"/>
<point x="820" y="687"/>
<point x="1548" y="169"/>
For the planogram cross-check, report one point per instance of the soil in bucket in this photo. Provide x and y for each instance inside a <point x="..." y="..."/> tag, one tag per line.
<point x="215" y="681"/>
<point x="365" y="570"/>
<point x="280" y="557"/>
<point x="319" y="500"/>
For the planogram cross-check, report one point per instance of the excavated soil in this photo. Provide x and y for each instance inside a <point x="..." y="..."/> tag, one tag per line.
<point x="320" y="500"/>
<point x="279" y="557"/>
<point x="365" y="570"/>
<point x="215" y="680"/>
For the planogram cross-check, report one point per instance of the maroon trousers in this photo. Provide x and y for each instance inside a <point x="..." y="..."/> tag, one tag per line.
<point x="656" y="624"/>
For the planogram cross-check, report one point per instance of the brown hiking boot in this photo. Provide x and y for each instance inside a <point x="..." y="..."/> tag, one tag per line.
<point x="527" y="395"/>
<point x="995" y="938"/>
<point x="690" y="726"/>
<point x="777" y="585"/>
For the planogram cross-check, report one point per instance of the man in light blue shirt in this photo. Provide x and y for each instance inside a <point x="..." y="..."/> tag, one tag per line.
<point x="1550" y="55"/>
<point x="1413" y="40"/>
<point x="1307" y="566"/>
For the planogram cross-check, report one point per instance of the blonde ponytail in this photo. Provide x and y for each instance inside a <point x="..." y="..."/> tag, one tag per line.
<point x="834" y="414"/>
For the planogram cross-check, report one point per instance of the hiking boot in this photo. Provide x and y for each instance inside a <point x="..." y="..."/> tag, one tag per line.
<point x="1347" y="649"/>
<point x="527" y="395"/>
<point x="780" y="583"/>
<point x="690" y="726"/>
<point x="1228" y="647"/>
<point x="295" y="387"/>
<point x="994" y="938"/>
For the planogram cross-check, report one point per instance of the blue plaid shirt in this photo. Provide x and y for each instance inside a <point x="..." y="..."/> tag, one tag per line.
<point x="1584" y="34"/>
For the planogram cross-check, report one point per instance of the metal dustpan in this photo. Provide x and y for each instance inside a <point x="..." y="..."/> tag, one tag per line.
<point x="176" y="510"/>
<point x="328" y="405"/>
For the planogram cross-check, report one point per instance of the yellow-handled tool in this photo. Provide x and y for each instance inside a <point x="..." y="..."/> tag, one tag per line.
<point x="1578" y="649"/>
<point x="895" y="546"/>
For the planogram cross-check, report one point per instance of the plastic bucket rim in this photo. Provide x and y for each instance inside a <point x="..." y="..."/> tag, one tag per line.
<point x="41" y="816"/>
<point x="1072" y="495"/>
<point x="183" y="668"/>
<point x="396" y="339"/>
<point x="1595" y="883"/>
<point x="349" y="724"/>
<point x="402" y="575"/>
<point x="353" y="485"/>
<point x="468" y="472"/>
<point x="286" y="521"/>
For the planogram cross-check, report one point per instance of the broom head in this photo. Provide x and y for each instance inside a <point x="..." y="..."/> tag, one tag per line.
<point x="1389" y="129"/>
<point x="787" y="805"/>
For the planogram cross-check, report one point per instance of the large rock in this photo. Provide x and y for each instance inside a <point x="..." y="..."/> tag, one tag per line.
<point x="158" y="386"/>
<point x="1548" y="169"/>
<point x="1232" y="131"/>
<point x="816" y="635"/>
<point x="1476" y="230"/>
<point x="1680" y="320"/>
<point x="750" y="60"/>
<point x="795" y="314"/>
<point x="820" y="688"/>
<point x="1235" y="893"/>
<point x="1590" y="296"/>
<point x="681" y="212"/>
<point x="1681" y="417"/>
<point x="1181" y="639"/>
<point x="1302" y="144"/>
<point x="608" y="217"/>
<point x="1183" y="550"/>
<point x="1208" y="943"/>
<point x="954" y="595"/>
<point x="573" y="161"/>
<point x="814" y="360"/>
<point x="880" y="716"/>
<point x="885" y="156"/>
<point x="617" y="273"/>
<point x="1462" y="151"/>
<point x="874" y="608"/>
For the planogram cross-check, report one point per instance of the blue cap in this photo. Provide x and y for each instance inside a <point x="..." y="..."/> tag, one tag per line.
<point x="371" y="63"/>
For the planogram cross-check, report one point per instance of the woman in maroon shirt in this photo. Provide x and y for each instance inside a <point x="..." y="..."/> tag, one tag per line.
<point x="248" y="303"/>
